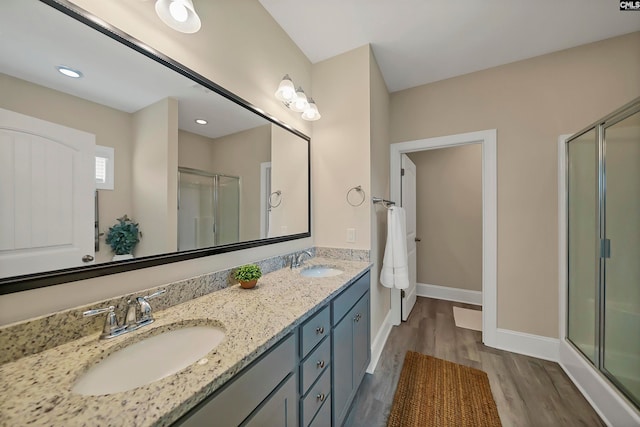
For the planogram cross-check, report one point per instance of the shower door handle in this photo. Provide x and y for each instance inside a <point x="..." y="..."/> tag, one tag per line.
<point x="605" y="248"/>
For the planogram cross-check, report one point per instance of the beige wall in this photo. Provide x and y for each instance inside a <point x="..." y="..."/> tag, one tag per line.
<point x="289" y="175"/>
<point x="530" y="103"/>
<point x="379" y="107"/>
<point x="154" y="163"/>
<point x="111" y="127"/>
<point x="240" y="154"/>
<point x="239" y="47"/>
<point x="340" y="150"/>
<point x="449" y="216"/>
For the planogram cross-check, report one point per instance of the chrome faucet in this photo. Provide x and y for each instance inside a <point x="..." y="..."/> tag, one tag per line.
<point x="296" y="259"/>
<point x="132" y="321"/>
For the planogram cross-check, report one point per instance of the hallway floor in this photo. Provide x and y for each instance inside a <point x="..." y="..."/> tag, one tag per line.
<point x="528" y="391"/>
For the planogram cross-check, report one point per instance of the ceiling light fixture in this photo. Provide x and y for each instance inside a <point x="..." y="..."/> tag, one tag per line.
<point x="69" y="72"/>
<point x="179" y="15"/>
<point x="201" y="121"/>
<point x="296" y="100"/>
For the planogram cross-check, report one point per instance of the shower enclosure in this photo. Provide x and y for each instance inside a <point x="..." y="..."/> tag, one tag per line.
<point x="603" y="238"/>
<point x="208" y="209"/>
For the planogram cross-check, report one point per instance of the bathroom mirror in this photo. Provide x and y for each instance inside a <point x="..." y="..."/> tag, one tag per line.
<point x="199" y="170"/>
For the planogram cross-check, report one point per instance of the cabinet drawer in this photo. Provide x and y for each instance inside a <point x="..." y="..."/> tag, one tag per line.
<point x="231" y="405"/>
<point x="317" y="395"/>
<point x="314" y="330"/>
<point x="315" y="364"/>
<point x="343" y="302"/>
<point x="323" y="419"/>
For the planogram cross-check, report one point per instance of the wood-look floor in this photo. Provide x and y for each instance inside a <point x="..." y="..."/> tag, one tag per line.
<point x="528" y="391"/>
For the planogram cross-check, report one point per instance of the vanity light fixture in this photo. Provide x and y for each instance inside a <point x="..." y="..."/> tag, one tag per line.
<point x="179" y="15"/>
<point x="69" y="72"/>
<point x="201" y="121"/>
<point x="296" y="100"/>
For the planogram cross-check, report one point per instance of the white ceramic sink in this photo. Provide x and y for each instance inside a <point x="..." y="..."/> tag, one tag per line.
<point x="149" y="360"/>
<point x="321" y="271"/>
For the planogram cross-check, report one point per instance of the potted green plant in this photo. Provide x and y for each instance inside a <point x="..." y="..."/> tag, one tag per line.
<point x="123" y="238"/>
<point x="248" y="275"/>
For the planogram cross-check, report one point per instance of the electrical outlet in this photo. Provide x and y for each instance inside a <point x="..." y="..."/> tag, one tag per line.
<point x="351" y="235"/>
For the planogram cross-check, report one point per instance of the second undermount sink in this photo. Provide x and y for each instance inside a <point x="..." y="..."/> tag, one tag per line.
<point x="149" y="360"/>
<point x="320" y="271"/>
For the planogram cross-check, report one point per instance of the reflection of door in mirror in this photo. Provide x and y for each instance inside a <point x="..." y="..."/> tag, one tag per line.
<point x="46" y="183"/>
<point x="208" y="209"/>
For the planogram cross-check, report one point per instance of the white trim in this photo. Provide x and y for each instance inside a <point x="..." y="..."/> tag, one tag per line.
<point x="528" y="344"/>
<point x="488" y="140"/>
<point x="450" y="294"/>
<point x="265" y="170"/>
<point x="603" y="397"/>
<point x="378" y="343"/>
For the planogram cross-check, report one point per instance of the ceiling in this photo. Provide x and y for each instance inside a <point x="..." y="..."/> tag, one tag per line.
<point x="421" y="41"/>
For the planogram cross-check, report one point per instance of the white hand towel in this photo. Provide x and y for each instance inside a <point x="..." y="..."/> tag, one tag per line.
<point x="395" y="268"/>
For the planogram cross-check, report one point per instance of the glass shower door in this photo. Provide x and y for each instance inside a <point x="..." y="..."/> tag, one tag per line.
<point x="583" y="257"/>
<point x="621" y="350"/>
<point x="195" y="211"/>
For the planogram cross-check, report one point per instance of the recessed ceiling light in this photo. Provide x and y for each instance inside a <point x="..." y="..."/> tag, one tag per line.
<point x="69" y="72"/>
<point x="201" y="121"/>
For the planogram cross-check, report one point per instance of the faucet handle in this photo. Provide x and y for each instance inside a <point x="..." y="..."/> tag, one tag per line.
<point x="145" y="307"/>
<point x="155" y="294"/>
<point x="111" y="327"/>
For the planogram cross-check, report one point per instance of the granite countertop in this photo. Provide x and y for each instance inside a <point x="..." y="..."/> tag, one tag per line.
<point x="36" y="390"/>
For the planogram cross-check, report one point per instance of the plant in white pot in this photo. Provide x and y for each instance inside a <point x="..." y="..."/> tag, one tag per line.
<point x="123" y="238"/>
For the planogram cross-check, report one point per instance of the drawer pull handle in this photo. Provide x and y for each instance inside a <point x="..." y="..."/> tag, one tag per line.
<point x="320" y="397"/>
<point x="320" y="364"/>
<point x="320" y="330"/>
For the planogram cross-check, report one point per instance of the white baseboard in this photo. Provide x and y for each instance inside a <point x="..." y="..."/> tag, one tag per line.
<point x="605" y="400"/>
<point x="528" y="344"/>
<point x="379" y="342"/>
<point x="449" y="294"/>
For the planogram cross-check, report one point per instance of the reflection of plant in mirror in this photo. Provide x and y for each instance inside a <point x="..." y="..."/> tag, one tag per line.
<point x="247" y="273"/>
<point x="124" y="236"/>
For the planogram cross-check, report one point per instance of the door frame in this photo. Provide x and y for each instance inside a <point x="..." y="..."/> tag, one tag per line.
<point x="488" y="140"/>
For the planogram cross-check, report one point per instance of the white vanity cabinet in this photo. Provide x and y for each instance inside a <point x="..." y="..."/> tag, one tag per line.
<point x="308" y="379"/>
<point x="350" y="343"/>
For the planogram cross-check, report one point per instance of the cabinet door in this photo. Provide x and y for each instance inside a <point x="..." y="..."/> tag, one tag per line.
<point x="361" y="347"/>
<point x="342" y="363"/>
<point x="279" y="410"/>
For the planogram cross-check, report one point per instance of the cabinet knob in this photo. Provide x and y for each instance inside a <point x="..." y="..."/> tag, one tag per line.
<point x="320" y="364"/>
<point x="320" y="397"/>
<point x="320" y="330"/>
<point x="357" y="318"/>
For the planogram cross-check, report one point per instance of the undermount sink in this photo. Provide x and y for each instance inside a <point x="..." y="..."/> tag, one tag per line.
<point x="320" y="271"/>
<point x="149" y="360"/>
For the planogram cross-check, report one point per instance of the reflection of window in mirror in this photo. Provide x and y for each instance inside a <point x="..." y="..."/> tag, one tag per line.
<point x="104" y="167"/>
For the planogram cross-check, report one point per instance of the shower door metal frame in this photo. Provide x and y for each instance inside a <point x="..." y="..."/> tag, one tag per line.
<point x="214" y="199"/>
<point x="600" y="126"/>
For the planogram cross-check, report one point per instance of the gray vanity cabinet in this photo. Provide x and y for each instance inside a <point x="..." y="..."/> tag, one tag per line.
<point x="264" y="394"/>
<point x="350" y="343"/>
<point x="308" y="379"/>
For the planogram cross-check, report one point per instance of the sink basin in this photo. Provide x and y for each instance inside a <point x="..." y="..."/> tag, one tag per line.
<point x="149" y="360"/>
<point x="321" y="271"/>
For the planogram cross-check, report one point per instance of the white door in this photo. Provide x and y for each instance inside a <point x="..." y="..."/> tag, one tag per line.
<point x="408" y="183"/>
<point x="47" y="184"/>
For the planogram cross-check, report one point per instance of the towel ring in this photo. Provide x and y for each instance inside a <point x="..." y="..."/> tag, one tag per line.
<point x="359" y="190"/>
<point x="277" y="193"/>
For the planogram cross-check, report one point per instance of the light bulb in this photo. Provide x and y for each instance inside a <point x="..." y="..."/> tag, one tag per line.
<point x="300" y="102"/>
<point x="286" y="91"/>
<point x="311" y="113"/>
<point x="178" y="11"/>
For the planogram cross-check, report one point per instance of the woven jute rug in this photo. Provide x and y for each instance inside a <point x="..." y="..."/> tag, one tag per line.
<point x="434" y="392"/>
